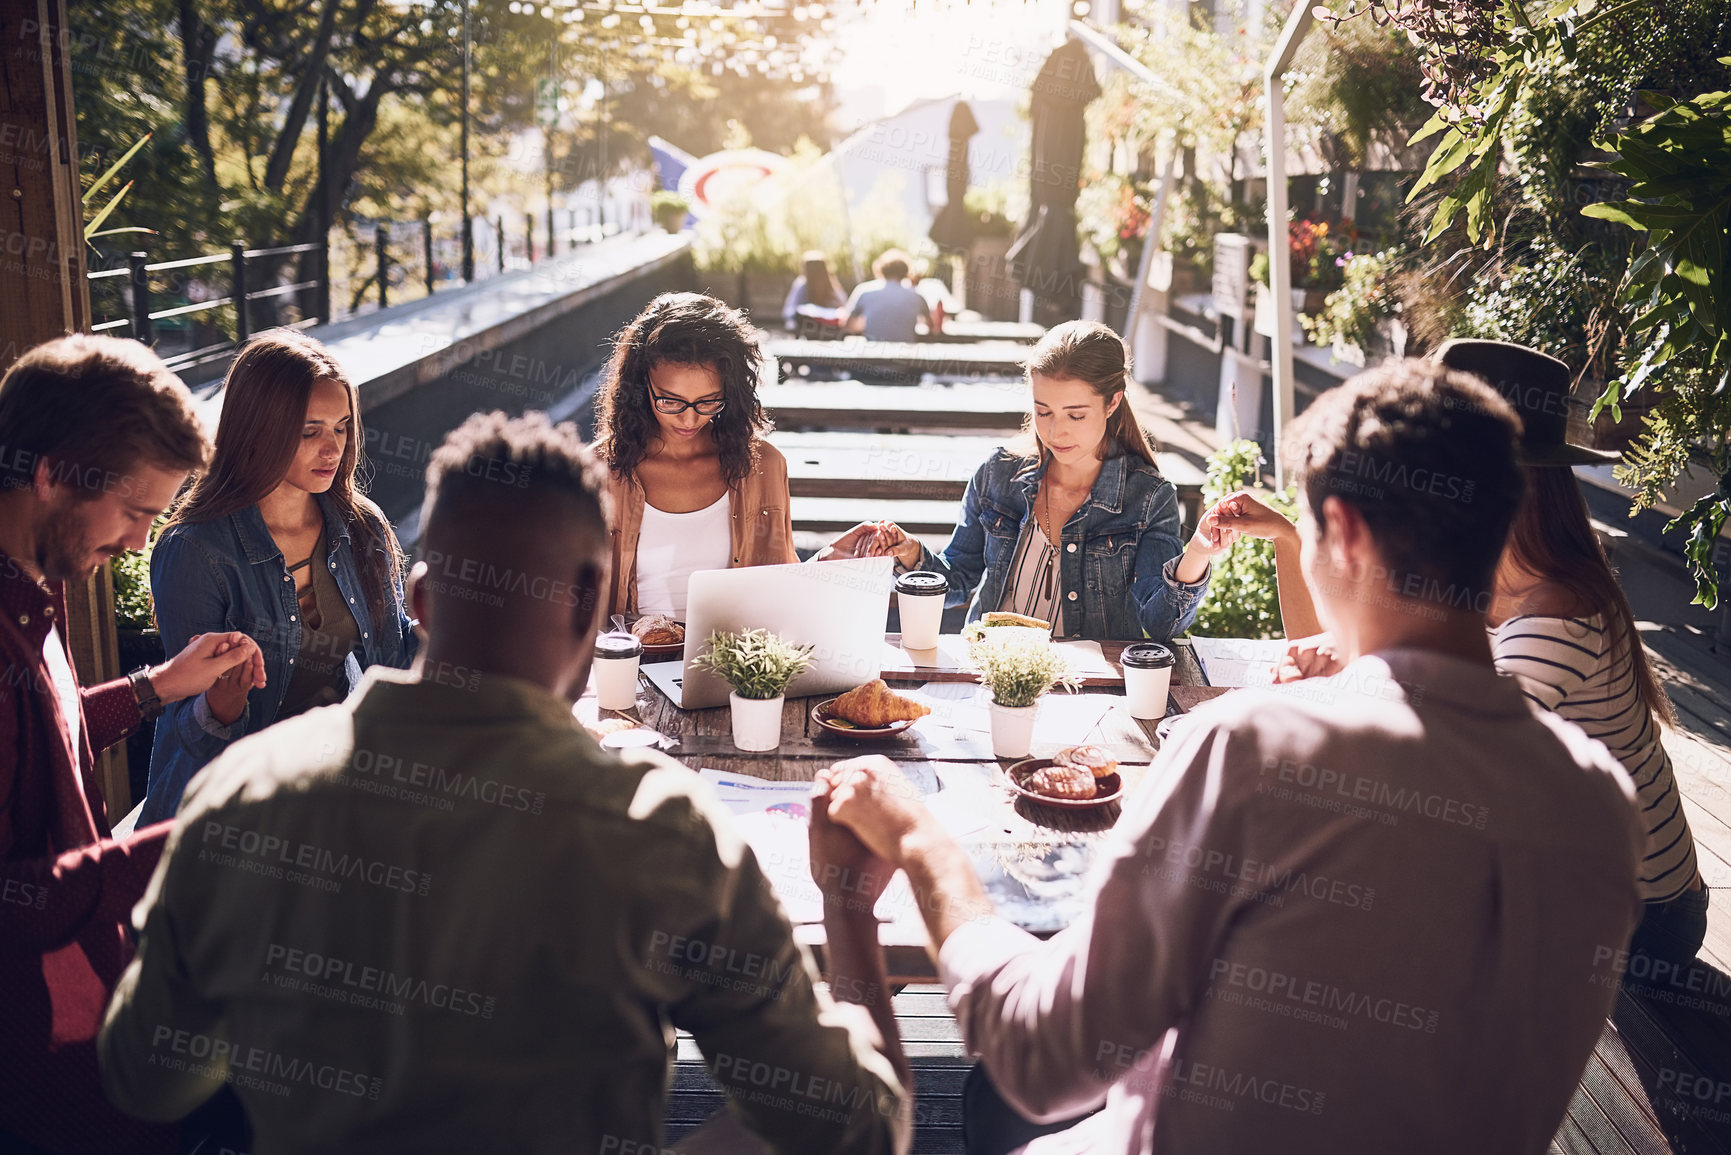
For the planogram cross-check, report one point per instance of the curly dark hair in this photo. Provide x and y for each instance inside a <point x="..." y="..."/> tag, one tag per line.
<point x="681" y="329"/>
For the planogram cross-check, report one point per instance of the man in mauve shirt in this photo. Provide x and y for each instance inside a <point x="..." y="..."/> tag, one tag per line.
<point x="96" y="436"/>
<point x="1380" y="912"/>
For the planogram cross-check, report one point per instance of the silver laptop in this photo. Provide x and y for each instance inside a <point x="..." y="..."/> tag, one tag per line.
<point x="840" y="608"/>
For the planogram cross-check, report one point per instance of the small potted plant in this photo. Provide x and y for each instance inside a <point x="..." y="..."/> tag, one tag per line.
<point x="758" y="665"/>
<point x="1017" y="670"/>
<point x="669" y="209"/>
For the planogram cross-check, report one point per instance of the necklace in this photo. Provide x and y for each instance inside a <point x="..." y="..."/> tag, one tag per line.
<point x="1051" y="537"/>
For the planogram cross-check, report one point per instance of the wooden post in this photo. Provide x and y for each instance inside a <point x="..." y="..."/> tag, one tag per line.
<point x="1298" y="24"/>
<point x="42" y="277"/>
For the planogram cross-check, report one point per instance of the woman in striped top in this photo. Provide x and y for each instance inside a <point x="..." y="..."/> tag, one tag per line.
<point x="1561" y="625"/>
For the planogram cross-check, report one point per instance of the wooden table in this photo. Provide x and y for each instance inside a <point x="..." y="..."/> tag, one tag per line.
<point x="1018" y="836"/>
<point x="896" y="360"/>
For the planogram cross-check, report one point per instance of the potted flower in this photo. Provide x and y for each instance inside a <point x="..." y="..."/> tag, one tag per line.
<point x="758" y="666"/>
<point x="1017" y="670"/>
<point x="669" y="209"/>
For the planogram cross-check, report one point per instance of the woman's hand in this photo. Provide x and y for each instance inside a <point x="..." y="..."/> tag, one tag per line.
<point x="873" y="539"/>
<point x="206" y="661"/>
<point x="1213" y="537"/>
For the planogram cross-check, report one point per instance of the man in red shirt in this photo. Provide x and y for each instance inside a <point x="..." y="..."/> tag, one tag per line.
<point x="96" y="438"/>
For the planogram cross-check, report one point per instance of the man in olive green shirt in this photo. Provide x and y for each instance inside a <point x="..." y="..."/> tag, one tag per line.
<point x="440" y="917"/>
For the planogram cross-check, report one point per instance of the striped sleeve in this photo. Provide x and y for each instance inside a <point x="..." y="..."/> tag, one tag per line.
<point x="1548" y="660"/>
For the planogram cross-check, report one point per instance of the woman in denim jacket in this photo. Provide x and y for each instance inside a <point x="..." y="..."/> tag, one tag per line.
<point x="1076" y="526"/>
<point x="275" y="541"/>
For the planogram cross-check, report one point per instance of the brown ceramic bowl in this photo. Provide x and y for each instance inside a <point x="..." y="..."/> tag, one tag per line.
<point x="1106" y="790"/>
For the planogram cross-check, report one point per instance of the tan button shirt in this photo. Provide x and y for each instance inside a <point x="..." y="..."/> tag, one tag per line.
<point x="1381" y="912"/>
<point x="438" y="917"/>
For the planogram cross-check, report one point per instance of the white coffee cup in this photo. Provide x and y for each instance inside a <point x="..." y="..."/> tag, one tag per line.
<point x="921" y="595"/>
<point x="616" y="659"/>
<point x="1147" y="678"/>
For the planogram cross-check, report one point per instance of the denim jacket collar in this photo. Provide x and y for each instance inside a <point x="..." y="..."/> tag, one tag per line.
<point x="1108" y="491"/>
<point x="255" y="537"/>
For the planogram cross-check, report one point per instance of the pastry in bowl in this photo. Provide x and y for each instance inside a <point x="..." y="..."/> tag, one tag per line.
<point x="1093" y="759"/>
<point x="874" y="706"/>
<point x="658" y="630"/>
<point x="1062" y="780"/>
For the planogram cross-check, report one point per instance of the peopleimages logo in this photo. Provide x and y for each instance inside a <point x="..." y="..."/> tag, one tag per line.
<point x="256" y="1067"/>
<point x="354" y="983"/>
<point x="273" y="856"/>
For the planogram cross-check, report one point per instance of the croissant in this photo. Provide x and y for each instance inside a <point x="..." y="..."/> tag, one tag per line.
<point x="658" y="630"/>
<point x="874" y="706"/>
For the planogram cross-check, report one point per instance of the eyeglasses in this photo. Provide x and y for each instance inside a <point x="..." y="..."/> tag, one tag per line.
<point x="673" y="406"/>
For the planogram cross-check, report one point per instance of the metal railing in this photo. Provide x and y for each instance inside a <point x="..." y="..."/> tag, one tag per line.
<point x="141" y="320"/>
<point x="404" y="256"/>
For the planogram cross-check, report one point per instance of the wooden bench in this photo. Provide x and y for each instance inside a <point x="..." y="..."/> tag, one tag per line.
<point x="834" y="405"/>
<point x="867" y="469"/>
<point x="1018" y="332"/>
<point x="933" y="1044"/>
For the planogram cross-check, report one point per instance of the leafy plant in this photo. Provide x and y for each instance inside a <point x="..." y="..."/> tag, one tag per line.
<point x="1350" y="313"/>
<point x="133" y="607"/>
<point x="667" y="201"/>
<point x="93" y="228"/>
<point x="1018" y="670"/>
<point x="1680" y="163"/>
<point x="1243" y="598"/>
<point x="755" y="663"/>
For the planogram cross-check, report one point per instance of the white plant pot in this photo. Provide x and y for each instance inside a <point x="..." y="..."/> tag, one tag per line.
<point x="756" y="722"/>
<point x="1013" y="730"/>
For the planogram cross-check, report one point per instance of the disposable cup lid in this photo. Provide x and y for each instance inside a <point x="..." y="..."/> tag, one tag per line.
<point x="1146" y="656"/>
<point x="618" y="646"/>
<point x="922" y="582"/>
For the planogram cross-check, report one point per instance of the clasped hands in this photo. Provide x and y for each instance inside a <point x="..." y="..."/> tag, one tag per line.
<point x="224" y="667"/>
<point x="865" y="816"/>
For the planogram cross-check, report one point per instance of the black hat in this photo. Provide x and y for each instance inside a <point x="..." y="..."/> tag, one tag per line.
<point x="1537" y="385"/>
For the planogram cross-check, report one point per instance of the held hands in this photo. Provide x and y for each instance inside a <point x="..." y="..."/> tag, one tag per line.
<point x="1247" y="515"/>
<point x="871" y="802"/>
<point x="850" y="876"/>
<point x="1312" y="657"/>
<point x="224" y="667"/>
<point x="874" y="539"/>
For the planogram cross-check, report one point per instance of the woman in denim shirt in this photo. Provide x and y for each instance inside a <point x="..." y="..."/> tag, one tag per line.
<point x="275" y="541"/>
<point x="1078" y="528"/>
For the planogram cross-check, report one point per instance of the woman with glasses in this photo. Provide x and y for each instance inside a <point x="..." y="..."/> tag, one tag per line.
<point x="695" y="483"/>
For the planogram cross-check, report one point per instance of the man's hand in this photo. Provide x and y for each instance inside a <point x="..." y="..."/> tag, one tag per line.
<point x="207" y="660"/>
<point x="1312" y="657"/>
<point x="877" y="803"/>
<point x="1245" y="514"/>
<point x="850" y="876"/>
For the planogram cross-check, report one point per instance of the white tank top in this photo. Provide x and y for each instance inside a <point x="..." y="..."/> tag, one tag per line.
<point x="673" y="546"/>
